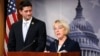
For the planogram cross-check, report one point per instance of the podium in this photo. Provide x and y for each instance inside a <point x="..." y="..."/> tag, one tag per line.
<point x="42" y="54"/>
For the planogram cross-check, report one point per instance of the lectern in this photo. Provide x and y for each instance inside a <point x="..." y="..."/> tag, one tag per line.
<point x="42" y="54"/>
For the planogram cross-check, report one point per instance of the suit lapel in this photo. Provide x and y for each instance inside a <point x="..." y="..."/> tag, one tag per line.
<point x="65" y="46"/>
<point x="20" y="31"/>
<point x="56" y="45"/>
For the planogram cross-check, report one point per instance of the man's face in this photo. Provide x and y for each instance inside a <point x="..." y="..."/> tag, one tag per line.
<point x="26" y="12"/>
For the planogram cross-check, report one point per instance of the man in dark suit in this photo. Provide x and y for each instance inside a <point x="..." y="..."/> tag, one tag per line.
<point x="28" y="34"/>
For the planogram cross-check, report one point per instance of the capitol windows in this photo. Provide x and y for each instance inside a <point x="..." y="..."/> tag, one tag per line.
<point x="73" y="34"/>
<point x="79" y="40"/>
<point x="90" y="41"/>
<point x="87" y="41"/>
<point x="73" y="28"/>
<point x="84" y="40"/>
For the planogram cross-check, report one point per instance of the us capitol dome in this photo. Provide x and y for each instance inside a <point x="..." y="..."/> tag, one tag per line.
<point x="82" y="32"/>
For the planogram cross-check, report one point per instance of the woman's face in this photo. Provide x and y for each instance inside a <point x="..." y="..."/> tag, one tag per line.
<point x="59" y="30"/>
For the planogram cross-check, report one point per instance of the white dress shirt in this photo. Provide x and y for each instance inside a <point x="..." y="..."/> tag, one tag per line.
<point x="25" y="27"/>
<point x="59" y="46"/>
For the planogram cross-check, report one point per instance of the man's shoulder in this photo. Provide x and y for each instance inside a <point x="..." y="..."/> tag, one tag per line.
<point x="37" y="20"/>
<point x="17" y="23"/>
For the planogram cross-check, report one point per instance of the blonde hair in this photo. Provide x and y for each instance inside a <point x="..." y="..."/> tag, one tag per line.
<point x="64" y="24"/>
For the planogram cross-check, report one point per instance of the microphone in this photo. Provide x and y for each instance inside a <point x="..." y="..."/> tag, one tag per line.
<point x="27" y="45"/>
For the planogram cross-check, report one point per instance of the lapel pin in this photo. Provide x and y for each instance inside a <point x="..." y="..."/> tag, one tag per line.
<point x="63" y="45"/>
<point x="32" y="23"/>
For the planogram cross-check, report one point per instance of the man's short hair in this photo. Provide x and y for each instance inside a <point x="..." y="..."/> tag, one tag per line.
<point x="24" y="3"/>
